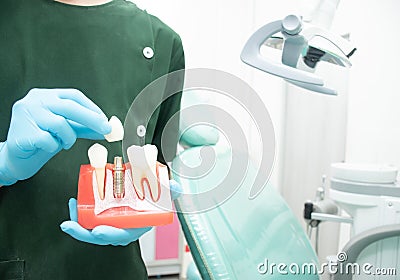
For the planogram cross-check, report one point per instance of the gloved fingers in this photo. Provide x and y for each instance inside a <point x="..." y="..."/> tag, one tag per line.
<point x="25" y="146"/>
<point x="77" y="232"/>
<point x="117" y="236"/>
<point x="74" y="111"/>
<point x="84" y="132"/>
<point x="73" y="210"/>
<point x="37" y="94"/>
<point x="175" y="189"/>
<point x="77" y="96"/>
<point x="58" y="127"/>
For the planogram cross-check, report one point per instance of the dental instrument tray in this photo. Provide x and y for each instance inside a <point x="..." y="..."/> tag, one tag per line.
<point x="115" y="200"/>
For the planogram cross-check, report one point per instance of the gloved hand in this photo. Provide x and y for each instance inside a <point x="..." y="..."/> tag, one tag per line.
<point x="107" y="235"/>
<point x="43" y="123"/>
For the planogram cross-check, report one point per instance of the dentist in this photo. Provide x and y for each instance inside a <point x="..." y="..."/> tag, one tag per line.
<point x="61" y="61"/>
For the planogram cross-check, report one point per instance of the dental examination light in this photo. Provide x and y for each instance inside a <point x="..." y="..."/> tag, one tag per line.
<point x="303" y="46"/>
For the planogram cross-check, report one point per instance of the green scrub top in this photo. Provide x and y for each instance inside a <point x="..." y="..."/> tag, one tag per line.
<point x="98" y="50"/>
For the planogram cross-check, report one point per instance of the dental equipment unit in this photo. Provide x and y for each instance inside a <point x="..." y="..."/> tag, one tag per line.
<point x="303" y="46"/>
<point x="370" y="196"/>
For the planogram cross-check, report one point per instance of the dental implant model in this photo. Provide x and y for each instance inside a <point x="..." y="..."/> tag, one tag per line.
<point x="118" y="178"/>
<point x="109" y="194"/>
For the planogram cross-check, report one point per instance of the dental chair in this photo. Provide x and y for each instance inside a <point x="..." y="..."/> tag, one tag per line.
<point x="240" y="238"/>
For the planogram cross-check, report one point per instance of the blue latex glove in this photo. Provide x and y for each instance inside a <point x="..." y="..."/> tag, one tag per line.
<point x="107" y="235"/>
<point x="43" y="123"/>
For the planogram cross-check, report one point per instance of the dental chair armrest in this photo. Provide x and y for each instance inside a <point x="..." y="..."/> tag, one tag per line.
<point x="195" y="131"/>
<point x="200" y="135"/>
<point x="359" y="242"/>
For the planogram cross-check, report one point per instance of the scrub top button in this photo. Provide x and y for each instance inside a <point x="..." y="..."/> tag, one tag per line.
<point x="141" y="131"/>
<point x="148" y="52"/>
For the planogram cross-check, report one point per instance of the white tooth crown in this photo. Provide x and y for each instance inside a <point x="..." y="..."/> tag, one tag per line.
<point x="97" y="156"/>
<point x="143" y="156"/>
<point x="143" y="162"/>
<point x="117" y="130"/>
<point x="98" y="159"/>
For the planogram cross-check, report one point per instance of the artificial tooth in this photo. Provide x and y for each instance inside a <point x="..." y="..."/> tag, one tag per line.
<point x="98" y="160"/>
<point x="117" y="130"/>
<point x="143" y="161"/>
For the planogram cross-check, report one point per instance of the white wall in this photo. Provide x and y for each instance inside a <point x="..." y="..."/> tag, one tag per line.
<point x="374" y="96"/>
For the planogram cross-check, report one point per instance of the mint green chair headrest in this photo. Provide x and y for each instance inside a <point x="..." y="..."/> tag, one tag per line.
<point x="201" y="134"/>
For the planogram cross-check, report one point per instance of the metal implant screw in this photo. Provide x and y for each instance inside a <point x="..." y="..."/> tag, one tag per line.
<point x="118" y="178"/>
